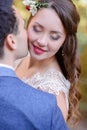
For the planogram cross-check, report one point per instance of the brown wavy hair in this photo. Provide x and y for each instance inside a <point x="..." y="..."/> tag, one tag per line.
<point x="67" y="56"/>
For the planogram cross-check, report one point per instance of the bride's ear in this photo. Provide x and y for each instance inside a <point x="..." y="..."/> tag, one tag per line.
<point x="10" y="41"/>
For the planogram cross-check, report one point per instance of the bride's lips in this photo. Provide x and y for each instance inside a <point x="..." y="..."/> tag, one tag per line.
<point x="38" y="50"/>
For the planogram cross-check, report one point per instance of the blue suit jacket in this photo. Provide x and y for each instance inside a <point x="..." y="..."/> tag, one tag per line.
<point x="24" y="108"/>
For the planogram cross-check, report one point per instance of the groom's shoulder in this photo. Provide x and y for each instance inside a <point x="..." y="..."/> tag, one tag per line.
<point x="39" y="96"/>
<point x="16" y="85"/>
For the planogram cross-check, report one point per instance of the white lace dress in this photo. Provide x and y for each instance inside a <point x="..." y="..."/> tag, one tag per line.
<point x="52" y="81"/>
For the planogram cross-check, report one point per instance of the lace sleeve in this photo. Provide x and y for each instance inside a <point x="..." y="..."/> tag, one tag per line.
<point x="52" y="81"/>
<point x="56" y="83"/>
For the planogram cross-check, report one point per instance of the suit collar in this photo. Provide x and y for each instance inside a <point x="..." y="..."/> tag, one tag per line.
<point x="4" y="71"/>
<point x="7" y="66"/>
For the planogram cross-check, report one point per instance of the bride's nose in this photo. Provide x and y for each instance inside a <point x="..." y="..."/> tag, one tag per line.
<point x="43" y="40"/>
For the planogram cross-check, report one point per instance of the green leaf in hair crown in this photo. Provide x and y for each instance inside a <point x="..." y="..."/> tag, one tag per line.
<point x="33" y="6"/>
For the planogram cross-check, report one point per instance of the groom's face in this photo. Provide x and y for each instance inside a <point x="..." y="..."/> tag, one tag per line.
<point x="21" y="37"/>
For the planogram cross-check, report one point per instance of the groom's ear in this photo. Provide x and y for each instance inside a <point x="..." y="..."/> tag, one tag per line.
<point x="10" y="42"/>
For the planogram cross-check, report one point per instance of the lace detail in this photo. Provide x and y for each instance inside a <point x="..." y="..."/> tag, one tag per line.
<point x="52" y="81"/>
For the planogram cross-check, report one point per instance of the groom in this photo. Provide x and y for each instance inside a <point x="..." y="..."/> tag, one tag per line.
<point x="21" y="106"/>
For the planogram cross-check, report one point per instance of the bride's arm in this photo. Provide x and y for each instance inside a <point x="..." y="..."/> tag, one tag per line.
<point x="61" y="101"/>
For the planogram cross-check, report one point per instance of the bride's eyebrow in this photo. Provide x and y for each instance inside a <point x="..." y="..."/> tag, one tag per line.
<point x="39" y="24"/>
<point x="57" y="32"/>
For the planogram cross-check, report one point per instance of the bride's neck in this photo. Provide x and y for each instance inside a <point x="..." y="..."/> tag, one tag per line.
<point x="43" y="64"/>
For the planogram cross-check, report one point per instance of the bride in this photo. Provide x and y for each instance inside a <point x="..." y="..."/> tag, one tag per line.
<point x="52" y="64"/>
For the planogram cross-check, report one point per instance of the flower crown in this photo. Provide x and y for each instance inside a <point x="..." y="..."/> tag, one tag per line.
<point x="33" y="6"/>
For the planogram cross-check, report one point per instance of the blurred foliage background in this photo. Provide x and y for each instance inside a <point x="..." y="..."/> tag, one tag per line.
<point x="82" y="37"/>
<point x="82" y="42"/>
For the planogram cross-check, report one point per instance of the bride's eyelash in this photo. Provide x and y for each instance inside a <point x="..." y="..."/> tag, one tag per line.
<point x="36" y="28"/>
<point x="55" y="37"/>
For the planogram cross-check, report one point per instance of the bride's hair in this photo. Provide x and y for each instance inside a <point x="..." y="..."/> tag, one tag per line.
<point x="67" y="56"/>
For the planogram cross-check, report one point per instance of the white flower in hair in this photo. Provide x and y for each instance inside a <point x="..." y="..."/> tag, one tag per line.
<point x="33" y="6"/>
<point x="28" y="2"/>
<point x="33" y="10"/>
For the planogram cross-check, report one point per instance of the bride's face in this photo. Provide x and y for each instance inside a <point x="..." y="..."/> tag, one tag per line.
<point x="46" y="34"/>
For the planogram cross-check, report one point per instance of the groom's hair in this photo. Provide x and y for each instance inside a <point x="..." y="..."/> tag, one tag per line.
<point x="6" y="3"/>
<point x="8" y="25"/>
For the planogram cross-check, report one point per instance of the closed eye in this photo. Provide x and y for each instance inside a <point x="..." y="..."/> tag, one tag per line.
<point x="55" y="36"/>
<point x="37" y="29"/>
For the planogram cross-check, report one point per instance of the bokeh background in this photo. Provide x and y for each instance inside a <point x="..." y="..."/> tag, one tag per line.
<point x="82" y="44"/>
<point x="82" y="37"/>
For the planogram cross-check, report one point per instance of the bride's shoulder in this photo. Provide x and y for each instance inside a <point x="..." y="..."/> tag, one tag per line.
<point x="57" y="78"/>
<point x="22" y="65"/>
